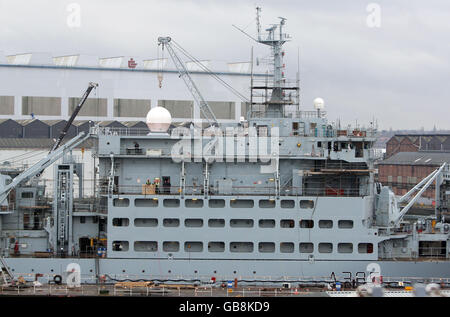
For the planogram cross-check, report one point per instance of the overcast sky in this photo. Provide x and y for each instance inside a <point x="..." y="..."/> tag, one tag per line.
<point x="397" y="73"/>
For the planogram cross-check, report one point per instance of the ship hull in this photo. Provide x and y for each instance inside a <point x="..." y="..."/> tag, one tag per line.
<point x="252" y="271"/>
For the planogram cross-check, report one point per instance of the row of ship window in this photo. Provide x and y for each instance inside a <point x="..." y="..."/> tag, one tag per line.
<point x="234" y="223"/>
<point x="241" y="247"/>
<point x="213" y="203"/>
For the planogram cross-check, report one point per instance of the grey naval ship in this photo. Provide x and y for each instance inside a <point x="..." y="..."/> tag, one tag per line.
<point x="281" y="195"/>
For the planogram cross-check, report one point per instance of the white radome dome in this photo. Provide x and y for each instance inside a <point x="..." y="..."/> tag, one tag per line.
<point x="319" y="103"/>
<point x="158" y="119"/>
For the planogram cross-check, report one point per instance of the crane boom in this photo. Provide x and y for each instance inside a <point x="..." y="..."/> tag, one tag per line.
<point x="41" y="165"/>
<point x="74" y="114"/>
<point x="405" y="209"/>
<point x="184" y="74"/>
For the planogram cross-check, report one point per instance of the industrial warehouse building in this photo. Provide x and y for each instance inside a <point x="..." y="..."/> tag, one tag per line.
<point x="40" y="86"/>
<point x="417" y="142"/>
<point x="410" y="158"/>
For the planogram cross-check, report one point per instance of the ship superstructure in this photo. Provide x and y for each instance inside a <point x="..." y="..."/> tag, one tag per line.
<point x="282" y="193"/>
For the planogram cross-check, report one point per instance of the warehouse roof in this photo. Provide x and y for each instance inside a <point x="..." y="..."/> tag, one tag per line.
<point x="418" y="158"/>
<point x="35" y="143"/>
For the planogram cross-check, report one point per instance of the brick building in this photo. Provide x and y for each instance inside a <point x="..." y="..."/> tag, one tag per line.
<point x="402" y="170"/>
<point x="417" y="142"/>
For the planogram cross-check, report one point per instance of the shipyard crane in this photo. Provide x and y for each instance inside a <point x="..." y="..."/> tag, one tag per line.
<point x="7" y="184"/>
<point x="166" y="42"/>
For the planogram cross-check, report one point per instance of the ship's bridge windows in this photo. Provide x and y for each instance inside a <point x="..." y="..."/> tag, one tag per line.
<point x="287" y="223"/>
<point x="241" y="223"/>
<point x="145" y="246"/>
<point x="216" y="223"/>
<point x="171" y="222"/>
<point x="307" y="223"/>
<point x="325" y="224"/>
<point x="216" y="246"/>
<point x="287" y="203"/>
<point x="171" y="203"/>
<point x="267" y="203"/>
<point x="242" y="203"/>
<point x="193" y="246"/>
<point x="171" y="246"/>
<point x="286" y="247"/>
<point x="120" y="222"/>
<point x="365" y="248"/>
<point x="120" y="246"/>
<point x="121" y="202"/>
<point x="266" y="247"/>
<point x="306" y="247"/>
<point x="216" y="203"/>
<point x="145" y="222"/>
<point x="193" y="203"/>
<point x="307" y="204"/>
<point x="345" y="224"/>
<point x="325" y="247"/>
<point x="345" y="248"/>
<point x="139" y="202"/>
<point x="242" y="247"/>
<point x="193" y="223"/>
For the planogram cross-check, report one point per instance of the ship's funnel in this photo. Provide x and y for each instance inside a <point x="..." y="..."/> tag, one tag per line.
<point x="158" y="119"/>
